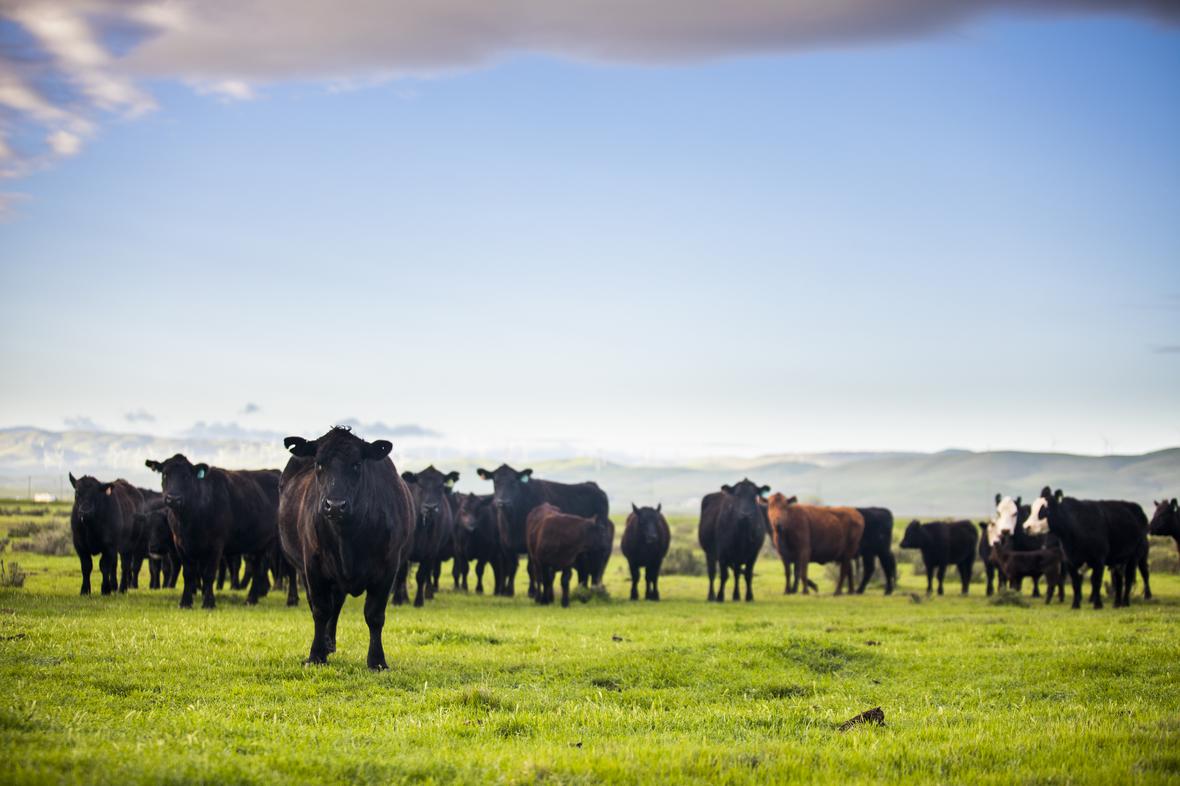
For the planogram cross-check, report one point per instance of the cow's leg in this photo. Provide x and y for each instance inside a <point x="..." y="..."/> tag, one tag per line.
<point x="109" y="564"/>
<point x="941" y="576"/>
<point x="1096" y="584"/>
<point x="153" y="573"/>
<point x="801" y="574"/>
<point x="1051" y="581"/>
<point x="990" y="570"/>
<point x="1145" y="572"/>
<point x="337" y="598"/>
<point x="375" y="599"/>
<point x="749" y="581"/>
<point x="929" y="579"/>
<point x="737" y="582"/>
<point x="259" y="583"/>
<point x="965" y="575"/>
<point x="1075" y="577"/>
<point x="86" y="562"/>
<point x="633" y="566"/>
<point x="208" y="575"/>
<point x="1036" y="578"/>
<point x="565" y="589"/>
<point x="533" y="578"/>
<point x="293" y="584"/>
<point x="868" y="566"/>
<point x="724" y="571"/>
<point x="711" y="568"/>
<point x="423" y="578"/>
<point x="655" y="578"/>
<point x="889" y="565"/>
<point x="319" y="597"/>
<point x="125" y="561"/>
<point x="191" y="578"/>
<point x="786" y="575"/>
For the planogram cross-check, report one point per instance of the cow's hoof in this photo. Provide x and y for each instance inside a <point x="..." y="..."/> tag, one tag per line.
<point x="208" y="603"/>
<point x="379" y="666"/>
<point x="316" y="660"/>
<point x="292" y="601"/>
<point x="251" y="601"/>
<point x="418" y="603"/>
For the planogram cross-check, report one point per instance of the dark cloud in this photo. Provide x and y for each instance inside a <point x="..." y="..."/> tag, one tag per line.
<point x="250" y="409"/>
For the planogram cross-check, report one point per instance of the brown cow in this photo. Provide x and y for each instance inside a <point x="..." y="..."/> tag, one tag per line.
<point x="812" y="533"/>
<point x="555" y="541"/>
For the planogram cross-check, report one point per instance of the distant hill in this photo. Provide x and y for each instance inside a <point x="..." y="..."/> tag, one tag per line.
<point x="950" y="483"/>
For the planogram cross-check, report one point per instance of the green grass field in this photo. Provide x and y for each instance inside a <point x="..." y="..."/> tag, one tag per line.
<point x="481" y="690"/>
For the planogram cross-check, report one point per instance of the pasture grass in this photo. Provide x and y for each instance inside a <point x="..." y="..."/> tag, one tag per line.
<point x="488" y="690"/>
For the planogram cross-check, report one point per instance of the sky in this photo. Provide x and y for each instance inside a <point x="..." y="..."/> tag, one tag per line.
<point x="664" y="229"/>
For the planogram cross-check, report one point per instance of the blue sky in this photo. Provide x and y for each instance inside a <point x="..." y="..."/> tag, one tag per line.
<point x="967" y="238"/>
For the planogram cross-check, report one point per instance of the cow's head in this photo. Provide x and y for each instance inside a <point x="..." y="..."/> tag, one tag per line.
<point x="155" y="519"/>
<point x="90" y="496"/>
<point x="1165" y="520"/>
<point x="744" y="498"/>
<point x="1007" y="512"/>
<point x="1042" y="511"/>
<point x="430" y="489"/>
<point x="467" y="511"/>
<point x="647" y="522"/>
<point x="180" y="480"/>
<point x="915" y="536"/>
<point x="509" y="486"/>
<point x="340" y="458"/>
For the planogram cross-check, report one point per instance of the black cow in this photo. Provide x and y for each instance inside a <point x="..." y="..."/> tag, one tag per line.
<point x="732" y="530"/>
<point x="434" y="531"/>
<point x="1095" y="533"/>
<point x="515" y="495"/>
<point x="1165" y="522"/>
<point x="214" y="512"/>
<point x="943" y="543"/>
<point x="645" y="544"/>
<point x="150" y="516"/>
<point x="345" y="520"/>
<point x="101" y="523"/>
<point x="477" y="539"/>
<point x="877" y="544"/>
<point x="986" y="556"/>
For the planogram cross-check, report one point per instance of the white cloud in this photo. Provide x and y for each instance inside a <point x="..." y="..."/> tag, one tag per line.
<point x="228" y="48"/>
<point x="64" y="143"/>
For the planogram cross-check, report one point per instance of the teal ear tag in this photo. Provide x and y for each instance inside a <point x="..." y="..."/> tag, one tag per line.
<point x="200" y="474"/>
<point x="524" y="479"/>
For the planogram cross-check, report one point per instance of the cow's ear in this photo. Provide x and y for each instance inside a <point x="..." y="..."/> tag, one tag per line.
<point x="998" y="498"/>
<point x="483" y="474"/>
<point x="728" y="489"/>
<point x="524" y="475"/>
<point x="1173" y="503"/>
<point x="73" y="480"/>
<point x="108" y="488"/>
<point x="791" y="500"/>
<point x="409" y="477"/>
<point x="1057" y="495"/>
<point x="1046" y="493"/>
<point x="633" y="508"/>
<point x="452" y="478"/>
<point x="1018" y="501"/>
<point x="300" y="447"/>
<point x="659" y="507"/>
<point x="154" y="466"/>
<point x="763" y="491"/>
<point x="202" y="470"/>
<point x="377" y="449"/>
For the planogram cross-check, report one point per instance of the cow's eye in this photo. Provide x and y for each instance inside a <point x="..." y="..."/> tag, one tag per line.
<point x="319" y="467"/>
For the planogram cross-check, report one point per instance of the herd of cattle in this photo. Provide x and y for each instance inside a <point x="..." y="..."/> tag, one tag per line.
<point x="341" y="521"/>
